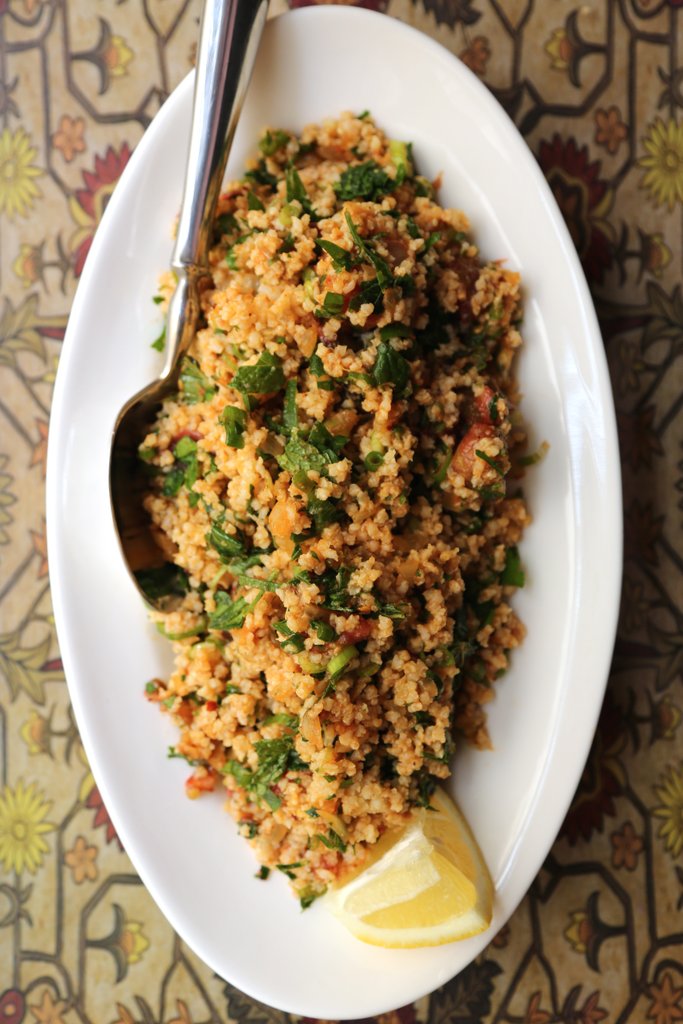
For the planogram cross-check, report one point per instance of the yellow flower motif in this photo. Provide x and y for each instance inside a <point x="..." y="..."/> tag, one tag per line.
<point x="577" y="931"/>
<point x="18" y="189"/>
<point x="670" y="792"/>
<point x="22" y="827"/>
<point x="36" y="733"/>
<point x="559" y="49"/>
<point x="133" y="941"/>
<point x="117" y="56"/>
<point x="663" y="164"/>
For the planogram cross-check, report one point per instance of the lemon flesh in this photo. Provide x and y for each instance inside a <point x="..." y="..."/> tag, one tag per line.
<point x="424" y="886"/>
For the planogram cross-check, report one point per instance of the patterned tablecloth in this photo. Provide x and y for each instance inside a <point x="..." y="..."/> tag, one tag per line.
<point x="597" y="90"/>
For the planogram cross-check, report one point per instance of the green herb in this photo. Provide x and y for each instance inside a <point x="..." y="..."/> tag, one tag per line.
<point x="324" y="631"/>
<point x="372" y="461"/>
<point x="262" y="378"/>
<point x="296" y="190"/>
<point x="235" y="422"/>
<point x="293" y="642"/>
<point x="261" y="176"/>
<point x="401" y="157"/>
<point x="426" y="784"/>
<point x="424" y="188"/>
<point x="272" y="142"/>
<point x="441" y="470"/>
<point x="490" y="462"/>
<point x="369" y="292"/>
<point x="323" y="512"/>
<point x="392" y="611"/>
<point x="185" y="448"/>
<point x="231" y="614"/>
<point x="262" y="872"/>
<point x="185" y="471"/>
<point x="341" y="258"/>
<point x="316" y="366"/>
<point x="333" y="305"/>
<point x="264" y="586"/>
<point x="423" y="718"/>
<point x="492" y="493"/>
<point x="150" y="687"/>
<point x="169" y="702"/>
<point x="340" y="662"/>
<point x="165" y="581"/>
<point x="312" y="813"/>
<point x="253" y="202"/>
<point x="196" y="386"/>
<point x="431" y="241"/>
<point x="385" y="277"/>
<point x="159" y="343"/>
<point x="513" y="574"/>
<point x="333" y="841"/>
<point x="337" y="597"/>
<point x="289" y="869"/>
<point x="282" y="718"/>
<point x="535" y="457"/>
<point x="308" y="896"/>
<point x="290" y="417"/>
<point x="275" y="757"/>
<point x="395" y="330"/>
<point x="172" y="753"/>
<point x="226" y="223"/>
<point x="300" y="455"/>
<point x="227" y="545"/>
<point x="364" y="181"/>
<point x="391" y="368"/>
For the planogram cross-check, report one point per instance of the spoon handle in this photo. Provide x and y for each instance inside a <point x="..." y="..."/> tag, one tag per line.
<point x="228" y="41"/>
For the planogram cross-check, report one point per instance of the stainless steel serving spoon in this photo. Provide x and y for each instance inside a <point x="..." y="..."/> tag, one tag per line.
<point x="229" y="38"/>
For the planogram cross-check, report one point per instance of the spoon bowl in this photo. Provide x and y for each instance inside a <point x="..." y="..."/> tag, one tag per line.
<point x="229" y="38"/>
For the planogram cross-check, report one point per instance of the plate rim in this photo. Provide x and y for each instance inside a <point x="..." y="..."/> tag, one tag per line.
<point x="608" y="420"/>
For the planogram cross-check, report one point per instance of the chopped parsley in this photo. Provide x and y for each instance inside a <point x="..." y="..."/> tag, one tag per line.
<point x="159" y="342"/>
<point x="165" y="581"/>
<point x="196" y="386"/>
<point x="513" y="574"/>
<point x="333" y="841"/>
<point x="341" y="258"/>
<point x="364" y="181"/>
<point x="391" y="368"/>
<point x="271" y="142"/>
<point x="229" y="613"/>
<point x="266" y="377"/>
<point x="235" y="422"/>
<point x="275" y="758"/>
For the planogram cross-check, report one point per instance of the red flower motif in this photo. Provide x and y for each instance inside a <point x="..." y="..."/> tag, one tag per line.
<point x="101" y="819"/>
<point x="12" y="1006"/>
<point x="89" y="203"/>
<point x="584" y="200"/>
<point x="602" y="778"/>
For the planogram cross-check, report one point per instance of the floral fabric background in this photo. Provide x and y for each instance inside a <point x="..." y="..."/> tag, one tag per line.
<point x="597" y="90"/>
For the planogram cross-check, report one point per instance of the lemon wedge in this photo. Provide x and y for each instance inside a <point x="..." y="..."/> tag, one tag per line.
<point x="424" y="886"/>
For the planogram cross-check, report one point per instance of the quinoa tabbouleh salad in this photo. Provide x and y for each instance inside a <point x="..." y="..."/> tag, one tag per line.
<point x="329" y="483"/>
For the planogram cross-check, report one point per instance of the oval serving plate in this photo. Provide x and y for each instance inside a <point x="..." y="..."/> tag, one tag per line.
<point x="199" y="871"/>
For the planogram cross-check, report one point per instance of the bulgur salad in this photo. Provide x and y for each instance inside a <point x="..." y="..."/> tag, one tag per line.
<point x="331" y="487"/>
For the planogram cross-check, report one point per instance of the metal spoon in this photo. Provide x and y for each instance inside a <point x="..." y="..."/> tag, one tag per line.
<point x="229" y="37"/>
